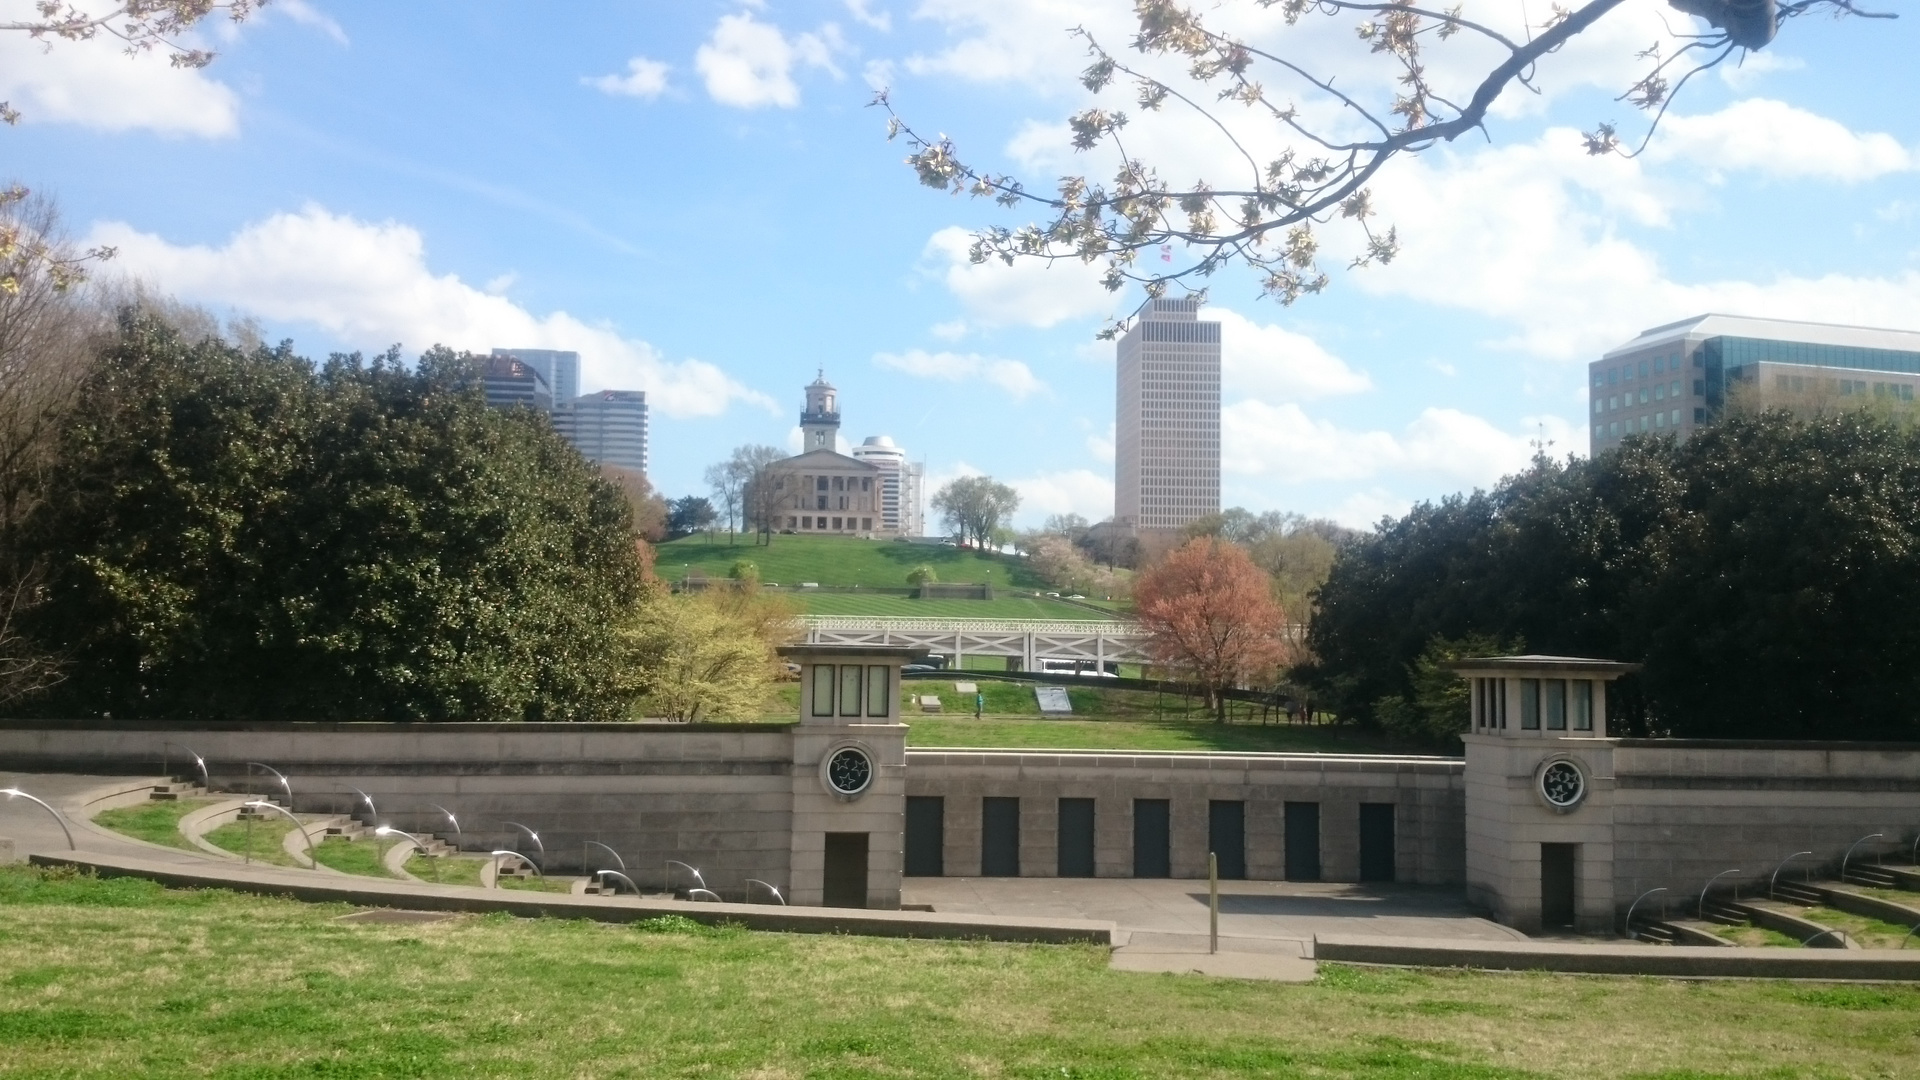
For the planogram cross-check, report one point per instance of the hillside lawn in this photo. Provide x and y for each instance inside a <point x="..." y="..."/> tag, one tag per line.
<point x="1000" y="607"/>
<point x="841" y="560"/>
<point x="120" y="978"/>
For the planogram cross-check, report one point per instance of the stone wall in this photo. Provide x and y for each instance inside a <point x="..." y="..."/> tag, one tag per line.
<point x="718" y="796"/>
<point x="1427" y="794"/>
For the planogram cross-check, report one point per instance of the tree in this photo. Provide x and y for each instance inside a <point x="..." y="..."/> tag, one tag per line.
<point x="1766" y="573"/>
<point x="1296" y="551"/>
<point x="48" y="331"/>
<point x="690" y="514"/>
<point x="1301" y="167"/>
<point x="974" y="508"/>
<point x="1209" y="615"/>
<point x="246" y="535"/>
<point x="728" y="482"/>
<point x="761" y="494"/>
<point x="142" y="25"/>
<point x="922" y="575"/>
<point x="1437" y="711"/>
<point x="650" y="510"/>
<point x="691" y="660"/>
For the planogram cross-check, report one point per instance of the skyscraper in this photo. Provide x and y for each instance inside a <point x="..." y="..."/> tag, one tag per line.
<point x="608" y="427"/>
<point x="509" y="381"/>
<point x="1167" y="418"/>
<point x="560" y="370"/>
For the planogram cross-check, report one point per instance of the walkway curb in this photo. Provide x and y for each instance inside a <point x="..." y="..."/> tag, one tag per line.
<point x="373" y="892"/>
<point x="1678" y="961"/>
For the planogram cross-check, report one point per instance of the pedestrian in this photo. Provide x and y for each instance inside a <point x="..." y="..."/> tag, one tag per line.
<point x="979" y="705"/>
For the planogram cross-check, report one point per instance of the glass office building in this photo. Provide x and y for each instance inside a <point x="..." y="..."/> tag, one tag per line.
<point x="1675" y="378"/>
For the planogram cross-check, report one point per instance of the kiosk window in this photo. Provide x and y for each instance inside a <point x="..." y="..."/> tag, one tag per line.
<point x="849" y="689"/>
<point x="1556" y="704"/>
<point x="877" y="696"/>
<point x="1582" y="704"/>
<point x="1529" y="704"/>
<point x="823" y="689"/>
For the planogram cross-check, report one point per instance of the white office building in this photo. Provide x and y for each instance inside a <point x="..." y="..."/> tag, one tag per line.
<point x="901" y="507"/>
<point x="1167" y="418"/>
<point x="559" y="370"/>
<point x="608" y="427"/>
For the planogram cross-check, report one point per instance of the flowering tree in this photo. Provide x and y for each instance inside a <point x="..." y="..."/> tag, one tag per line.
<point x="141" y="25"/>
<point x="1315" y="135"/>
<point x="1210" y="615"/>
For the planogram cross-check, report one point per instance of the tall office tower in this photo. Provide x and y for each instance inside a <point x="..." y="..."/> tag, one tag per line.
<point x="901" y="508"/>
<point x="1676" y="378"/>
<point x="510" y="381"/>
<point x="1167" y="418"/>
<point x="608" y="427"/>
<point x="561" y="370"/>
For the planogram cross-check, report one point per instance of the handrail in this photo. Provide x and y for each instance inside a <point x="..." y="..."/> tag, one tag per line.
<point x="769" y="888"/>
<point x="1775" y="879"/>
<point x="166" y="763"/>
<point x="1809" y="942"/>
<point x="284" y="782"/>
<point x="297" y="826"/>
<point x="1851" y="847"/>
<point x="615" y="873"/>
<point x="1702" y="907"/>
<point x="14" y="792"/>
<point x="459" y="838"/>
<point x="616" y="855"/>
<point x="1636" y="903"/>
<point x="531" y="865"/>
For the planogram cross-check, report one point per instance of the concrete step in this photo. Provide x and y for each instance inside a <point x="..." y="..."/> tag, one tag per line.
<point x="1693" y="932"/>
<point x="1868" y="874"/>
<point x="1795" y="892"/>
<point x="173" y="792"/>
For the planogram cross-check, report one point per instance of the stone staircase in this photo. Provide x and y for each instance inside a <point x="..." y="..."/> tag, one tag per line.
<point x="174" y="791"/>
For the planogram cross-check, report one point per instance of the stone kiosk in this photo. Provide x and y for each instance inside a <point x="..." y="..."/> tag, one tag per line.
<point x="1540" y="790"/>
<point x="849" y="775"/>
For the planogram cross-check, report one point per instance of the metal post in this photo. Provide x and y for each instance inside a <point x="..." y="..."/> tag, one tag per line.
<point x="1849" y="854"/>
<point x="1701" y="908"/>
<point x="1213" y="903"/>
<point x="1636" y="903"/>
<point x="1775" y="879"/>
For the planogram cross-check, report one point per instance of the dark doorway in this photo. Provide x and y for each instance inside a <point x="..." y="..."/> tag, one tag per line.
<point x="926" y="835"/>
<point x="1152" y="838"/>
<point x="846" y="878"/>
<point x="1303" y="841"/>
<point x="1076" y="837"/>
<point x="1000" y="837"/>
<point x="1376" y="841"/>
<point x="1227" y="837"/>
<point x="1556" y="885"/>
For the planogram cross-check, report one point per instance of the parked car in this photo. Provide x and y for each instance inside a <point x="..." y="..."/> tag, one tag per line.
<point x="919" y="669"/>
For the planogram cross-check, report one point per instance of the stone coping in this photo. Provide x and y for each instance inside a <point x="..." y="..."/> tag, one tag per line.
<point x="378" y="893"/>
<point x="1676" y="961"/>
<point x="1763" y="744"/>
<point x="381" y="727"/>
<point x="1305" y="757"/>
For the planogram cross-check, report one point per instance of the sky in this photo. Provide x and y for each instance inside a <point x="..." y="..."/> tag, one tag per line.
<point x="697" y="198"/>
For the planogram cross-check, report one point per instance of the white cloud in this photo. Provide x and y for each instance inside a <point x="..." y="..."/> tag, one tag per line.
<point x="644" y="78"/>
<point x="862" y="12"/>
<point x="1070" y="491"/>
<point x="95" y="84"/>
<point x="1754" y="66"/>
<point x="371" y="283"/>
<point x="1011" y="376"/>
<point x="1101" y="446"/>
<point x="307" y="15"/>
<point x="1262" y="360"/>
<point x="749" y="64"/>
<point x="1283" y="443"/>
<point x="1777" y="139"/>
<point x="951" y="330"/>
<point x="1028" y="293"/>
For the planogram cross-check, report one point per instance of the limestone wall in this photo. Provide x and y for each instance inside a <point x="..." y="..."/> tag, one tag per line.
<point x="1427" y="794"/>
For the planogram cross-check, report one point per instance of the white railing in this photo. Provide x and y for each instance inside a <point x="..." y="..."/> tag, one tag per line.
<point x="973" y="626"/>
<point x="1032" y="640"/>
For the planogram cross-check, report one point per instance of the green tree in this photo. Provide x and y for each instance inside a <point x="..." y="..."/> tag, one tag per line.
<point x="921" y="575"/>
<point x="975" y="507"/>
<point x="1436" y="709"/>
<point x="1766" y="573"/>
<point x="245" y="535"/>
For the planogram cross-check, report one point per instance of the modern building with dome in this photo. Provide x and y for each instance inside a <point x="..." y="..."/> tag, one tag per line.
<point x="875" y="491"/>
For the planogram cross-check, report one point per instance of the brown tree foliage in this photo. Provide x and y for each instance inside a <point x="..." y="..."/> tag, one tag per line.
<point x="649" y="506"/>
<point x="1211" y="617"/>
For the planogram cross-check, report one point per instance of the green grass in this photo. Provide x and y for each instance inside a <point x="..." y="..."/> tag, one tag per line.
<point x="840" y="560"/>
<point x="354" y="856"/>
<point x="536" y="884"/>
<point x="1869" y="933"/>
<point x="447" y="870"/>
<point x="261" y="840"/>
<point x="120" y="978"/>
<point x="906" y="607"/>
<point x="932" y="732"/>
<point x="154" y="822"/>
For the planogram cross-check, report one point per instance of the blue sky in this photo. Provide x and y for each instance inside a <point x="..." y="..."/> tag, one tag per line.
<point x="695" y="197"/>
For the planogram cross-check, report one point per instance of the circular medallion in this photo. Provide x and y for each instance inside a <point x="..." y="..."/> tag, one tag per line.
<point x="1562" y="784"/>
<point x="849" y="771"/>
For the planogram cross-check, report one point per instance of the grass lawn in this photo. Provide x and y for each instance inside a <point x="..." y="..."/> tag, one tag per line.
<point x="154" y="822"/>
<point x="535" y="884"/>
<point x="447" y="869"/>
<point x="906" y="607"/>
<point x="261" y="840"/>
<point x="354" y="856"/>
<point x="119" y="978"/>
<point x="1868" y="932"/>
<point x="841" y="560"/>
